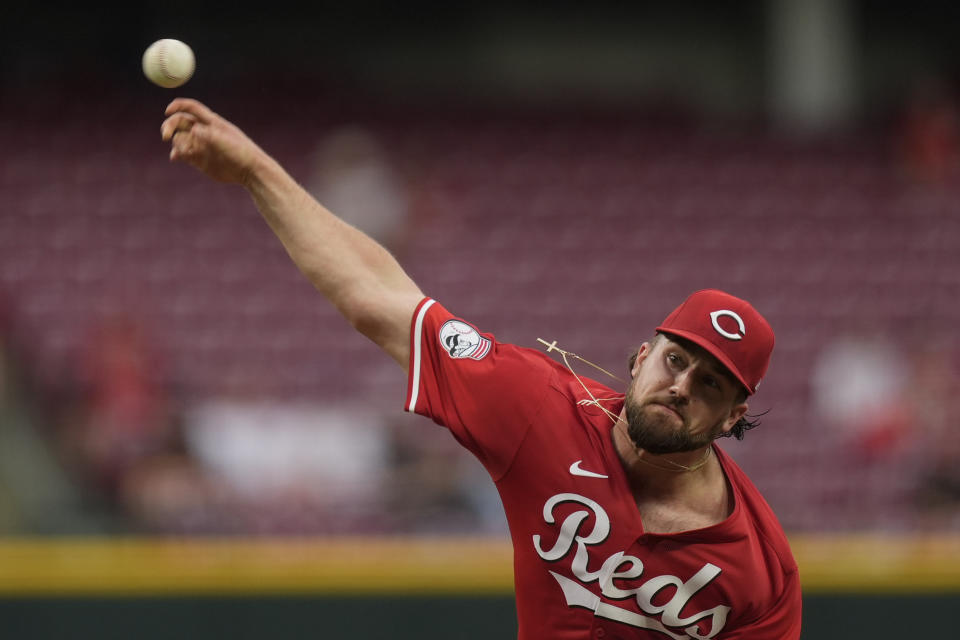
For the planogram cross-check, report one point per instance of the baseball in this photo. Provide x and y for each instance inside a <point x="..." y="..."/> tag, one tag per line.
<point x="168" y="63"/>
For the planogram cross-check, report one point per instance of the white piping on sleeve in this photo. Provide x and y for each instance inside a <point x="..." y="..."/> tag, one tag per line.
<point x="417" y="339"/>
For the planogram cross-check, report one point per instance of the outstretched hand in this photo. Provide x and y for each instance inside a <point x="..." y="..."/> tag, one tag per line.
<point x="203" y="139"/>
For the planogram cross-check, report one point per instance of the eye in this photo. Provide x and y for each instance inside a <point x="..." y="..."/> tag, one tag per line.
<point x="711" y="382"/>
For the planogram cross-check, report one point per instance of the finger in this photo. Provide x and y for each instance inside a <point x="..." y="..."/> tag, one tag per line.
<point x="179" y="121"/>
<point x="191" y="106"/>
<point x="187" y="144"/>
<point x="176" y="145"/>
<point x="182" y="145"/>
<point x="175" y="123"/>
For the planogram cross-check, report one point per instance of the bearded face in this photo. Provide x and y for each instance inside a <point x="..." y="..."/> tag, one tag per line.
<point x="680" y="398"/>
<point x="654" y="429"/>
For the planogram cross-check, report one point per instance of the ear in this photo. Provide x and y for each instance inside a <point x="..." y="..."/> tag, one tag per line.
<point x="736" y="412"/>
<point x="642" y="354"/>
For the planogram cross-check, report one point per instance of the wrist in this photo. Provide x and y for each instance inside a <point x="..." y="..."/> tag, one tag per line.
<point x="256" y="172"/>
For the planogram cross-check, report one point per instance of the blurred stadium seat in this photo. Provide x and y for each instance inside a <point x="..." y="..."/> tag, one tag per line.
<point x="586" y="231"/>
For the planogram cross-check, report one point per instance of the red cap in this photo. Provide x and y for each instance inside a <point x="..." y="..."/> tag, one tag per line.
<point x="729" y="328"/>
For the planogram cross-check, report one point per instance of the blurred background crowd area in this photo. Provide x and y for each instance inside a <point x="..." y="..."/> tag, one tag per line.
<point x="566" y="173"/>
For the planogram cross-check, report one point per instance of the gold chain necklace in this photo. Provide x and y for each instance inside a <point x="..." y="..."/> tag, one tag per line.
<point x="680" y="468"/>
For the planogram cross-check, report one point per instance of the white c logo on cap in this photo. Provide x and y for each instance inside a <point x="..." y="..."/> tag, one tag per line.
<point x="726" y="334"/>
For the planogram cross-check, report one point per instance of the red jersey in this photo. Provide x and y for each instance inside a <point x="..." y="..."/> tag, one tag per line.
<point x="583" y="565"/>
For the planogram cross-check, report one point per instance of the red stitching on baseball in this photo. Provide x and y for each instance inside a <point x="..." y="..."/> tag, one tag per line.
<point x="161" y="54"/>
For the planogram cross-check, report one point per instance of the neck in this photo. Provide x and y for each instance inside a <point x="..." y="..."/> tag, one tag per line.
<point x="671" y="499"/>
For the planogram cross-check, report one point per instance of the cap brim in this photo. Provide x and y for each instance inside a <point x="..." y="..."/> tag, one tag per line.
<point x="711" y="348"/>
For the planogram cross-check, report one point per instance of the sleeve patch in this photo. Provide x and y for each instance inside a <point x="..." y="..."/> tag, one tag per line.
<point x="460" y="340"/>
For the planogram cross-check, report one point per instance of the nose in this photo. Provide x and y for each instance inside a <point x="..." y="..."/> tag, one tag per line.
<point x="680" y="389"/>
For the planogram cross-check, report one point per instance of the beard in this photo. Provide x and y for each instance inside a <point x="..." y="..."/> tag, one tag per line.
<point x="657" y="432"/>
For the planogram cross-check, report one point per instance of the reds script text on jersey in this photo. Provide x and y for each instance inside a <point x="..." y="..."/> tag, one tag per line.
<point x="583" y="565"/>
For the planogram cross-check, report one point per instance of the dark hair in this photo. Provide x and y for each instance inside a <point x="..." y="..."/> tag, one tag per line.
<point x="745" y="423"/>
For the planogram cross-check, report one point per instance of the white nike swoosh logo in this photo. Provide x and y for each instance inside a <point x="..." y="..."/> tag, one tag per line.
<point x="577" y="471"/>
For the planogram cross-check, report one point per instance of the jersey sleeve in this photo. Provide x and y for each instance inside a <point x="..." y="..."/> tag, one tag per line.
<point x="485" y="392"/>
